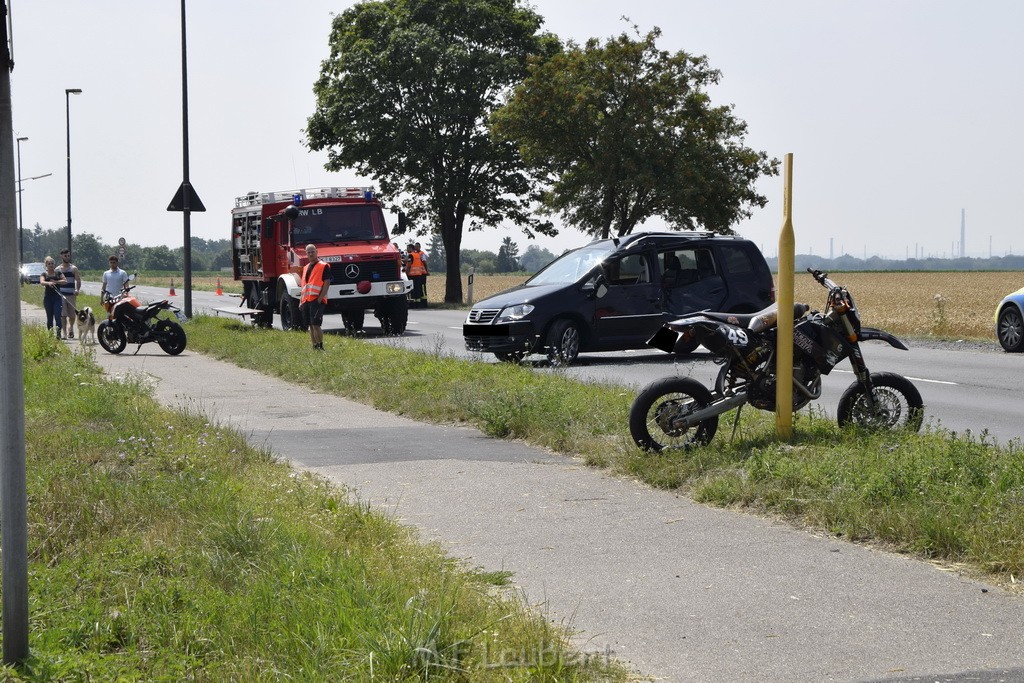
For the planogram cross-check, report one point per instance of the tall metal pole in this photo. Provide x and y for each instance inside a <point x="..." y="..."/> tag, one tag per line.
<point x="186" y="193"/>
<point x="68" y="92"/>
<point x="21" y="227"/>
<point x="13" y="499"/>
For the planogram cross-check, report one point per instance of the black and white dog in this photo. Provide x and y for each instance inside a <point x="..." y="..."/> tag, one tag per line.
<point x="86" y="324"/>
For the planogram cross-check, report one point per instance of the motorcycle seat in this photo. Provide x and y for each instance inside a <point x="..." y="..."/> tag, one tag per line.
<point x="759" y="321"/>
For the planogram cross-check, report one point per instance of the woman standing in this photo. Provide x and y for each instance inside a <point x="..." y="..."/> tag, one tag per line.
<point x="52" y="279"/>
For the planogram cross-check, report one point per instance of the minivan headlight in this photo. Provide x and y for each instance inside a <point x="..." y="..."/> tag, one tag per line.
<point x="517" y="312"/>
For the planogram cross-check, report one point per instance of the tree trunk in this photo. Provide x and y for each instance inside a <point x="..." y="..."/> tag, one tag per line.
<point x="451" y="237"/>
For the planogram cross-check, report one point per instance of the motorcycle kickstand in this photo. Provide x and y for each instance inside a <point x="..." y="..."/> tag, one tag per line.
<point x="137" y="348"/>
<point x="735" y="424"/>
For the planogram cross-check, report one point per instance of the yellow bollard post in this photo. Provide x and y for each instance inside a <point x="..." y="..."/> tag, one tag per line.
<point x="784" y="352"/>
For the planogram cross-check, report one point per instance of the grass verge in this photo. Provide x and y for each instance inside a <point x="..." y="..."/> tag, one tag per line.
<point x="163" y="547"/>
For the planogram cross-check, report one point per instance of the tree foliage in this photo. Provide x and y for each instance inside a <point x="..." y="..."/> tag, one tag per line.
<point x="436" y="256"/>
<point x="534" y="258"/>
<point x="625" y="131"/>
<point x="508" y="256"/>
<point x="405" y="97"/>
<point x="89" y="253"/>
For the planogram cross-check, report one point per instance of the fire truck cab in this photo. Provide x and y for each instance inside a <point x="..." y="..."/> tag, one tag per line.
<point x="269" y="234"/>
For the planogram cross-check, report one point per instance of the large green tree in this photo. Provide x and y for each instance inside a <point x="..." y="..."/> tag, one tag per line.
<point x="624" y="132"/>
<point x="405" y="97"/>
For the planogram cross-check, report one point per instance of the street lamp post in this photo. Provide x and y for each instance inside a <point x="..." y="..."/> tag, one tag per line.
<point x="68" y="92"/>
<point x="21" y="228"/>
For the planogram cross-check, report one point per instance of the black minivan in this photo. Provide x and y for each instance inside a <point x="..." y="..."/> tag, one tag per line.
<point x="614" y="294"/>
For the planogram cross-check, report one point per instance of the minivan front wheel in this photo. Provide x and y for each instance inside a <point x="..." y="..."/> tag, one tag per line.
<point x="563" y="342"/>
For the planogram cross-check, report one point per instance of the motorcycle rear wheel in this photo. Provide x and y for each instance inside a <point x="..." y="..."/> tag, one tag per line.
<point x="898" y="404"/>
<point x="172" y="337"/>
<point x="111" y="337"/>
<point x="654" y="409"/>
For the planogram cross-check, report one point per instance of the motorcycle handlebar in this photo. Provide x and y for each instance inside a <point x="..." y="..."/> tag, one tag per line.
<point x="822" y="279"/>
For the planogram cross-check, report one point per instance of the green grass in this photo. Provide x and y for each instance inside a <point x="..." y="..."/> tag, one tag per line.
<point x="163" y="547"/>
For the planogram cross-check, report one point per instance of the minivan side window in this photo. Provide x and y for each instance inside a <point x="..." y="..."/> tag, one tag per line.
<point x="737" y="261"/>
<point x="629" y="270"/>
<point x="681" y="267"/>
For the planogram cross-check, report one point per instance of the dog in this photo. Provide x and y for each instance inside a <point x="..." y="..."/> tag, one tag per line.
<point x="86" y="324"/>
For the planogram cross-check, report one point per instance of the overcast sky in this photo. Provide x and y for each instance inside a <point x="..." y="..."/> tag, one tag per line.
<point x="899" y="113"/>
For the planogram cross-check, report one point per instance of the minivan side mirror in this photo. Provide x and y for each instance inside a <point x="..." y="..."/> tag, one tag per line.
<point x="596" y="287"/>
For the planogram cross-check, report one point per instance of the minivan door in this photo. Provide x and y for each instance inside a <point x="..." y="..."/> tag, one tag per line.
<point x="631" y="308"/>
<point x="691" y="280"/>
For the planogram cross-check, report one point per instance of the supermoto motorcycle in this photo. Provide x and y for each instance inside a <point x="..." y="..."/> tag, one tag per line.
<point x="131" y="321"/>
<point x="679" y="412"/>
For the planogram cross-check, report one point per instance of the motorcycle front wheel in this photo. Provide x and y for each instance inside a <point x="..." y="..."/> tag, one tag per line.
<point x="111" y="337"/>
<point x="898" y="404"/>
<point x="172" y="338"/>
<point x="656" y="411"/>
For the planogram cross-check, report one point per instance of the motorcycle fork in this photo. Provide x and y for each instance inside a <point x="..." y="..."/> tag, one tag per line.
<point x="860" y="369"/>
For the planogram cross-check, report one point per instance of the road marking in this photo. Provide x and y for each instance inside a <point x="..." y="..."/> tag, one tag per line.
<point x="915" y="379"/>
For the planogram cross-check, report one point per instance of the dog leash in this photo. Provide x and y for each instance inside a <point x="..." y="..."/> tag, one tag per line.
<point x="66" y="300"/>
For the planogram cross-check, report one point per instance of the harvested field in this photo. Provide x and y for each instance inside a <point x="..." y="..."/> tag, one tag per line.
<point x="946" y="305"/>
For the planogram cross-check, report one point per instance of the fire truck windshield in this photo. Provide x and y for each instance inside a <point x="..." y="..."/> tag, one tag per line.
<point x="319" y="224"/>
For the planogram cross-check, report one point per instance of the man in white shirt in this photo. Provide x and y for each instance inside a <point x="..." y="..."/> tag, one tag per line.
<point x="113" y="280"/>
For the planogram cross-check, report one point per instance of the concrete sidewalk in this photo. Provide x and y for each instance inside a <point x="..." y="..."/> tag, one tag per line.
<point x="682" y="592"/>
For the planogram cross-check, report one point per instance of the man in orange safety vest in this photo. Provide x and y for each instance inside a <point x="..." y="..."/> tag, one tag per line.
<point x="316" y="278"/>
<point x="417" y="270"/>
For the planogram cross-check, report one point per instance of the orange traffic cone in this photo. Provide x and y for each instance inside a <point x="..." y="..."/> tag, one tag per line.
<point x="219" y="292"/>
<point x="171" y="293"/>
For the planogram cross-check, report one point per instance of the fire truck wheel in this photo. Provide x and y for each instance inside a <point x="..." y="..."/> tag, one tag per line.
<point x="393" y="316"/>
<point x="291" y="319"/>
<point x="353" y="321"/>
<point x="264" y="319"/>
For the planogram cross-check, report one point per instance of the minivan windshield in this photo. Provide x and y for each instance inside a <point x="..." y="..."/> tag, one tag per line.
<point x="570" y="267"/>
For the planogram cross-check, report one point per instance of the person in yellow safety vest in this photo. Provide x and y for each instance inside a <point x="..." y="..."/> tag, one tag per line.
<point x="316" y="278"/>
<point x="418" y="273"/>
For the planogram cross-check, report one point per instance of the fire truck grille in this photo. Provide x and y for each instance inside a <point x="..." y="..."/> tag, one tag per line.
<point x="374" y="271"/>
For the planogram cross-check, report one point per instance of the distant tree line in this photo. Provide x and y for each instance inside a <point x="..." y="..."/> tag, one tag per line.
<point x="852" y="263"/>
<point x="89" y="253"/>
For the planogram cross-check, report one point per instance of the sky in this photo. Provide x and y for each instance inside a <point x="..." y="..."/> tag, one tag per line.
<point x="899" y="114"/>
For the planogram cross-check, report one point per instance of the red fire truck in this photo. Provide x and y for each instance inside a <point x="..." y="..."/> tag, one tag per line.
<point x="269" y="234"/>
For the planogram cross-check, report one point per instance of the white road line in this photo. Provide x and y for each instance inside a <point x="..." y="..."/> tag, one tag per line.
<point x="914" y="379"/>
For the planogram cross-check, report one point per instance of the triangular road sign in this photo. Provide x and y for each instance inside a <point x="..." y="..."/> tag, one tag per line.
<point x="178" y="203"/>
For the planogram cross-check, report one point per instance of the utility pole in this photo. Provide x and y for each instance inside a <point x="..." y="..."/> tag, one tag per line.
<point x="13" y="499"/>
<point x="185" y="199"/>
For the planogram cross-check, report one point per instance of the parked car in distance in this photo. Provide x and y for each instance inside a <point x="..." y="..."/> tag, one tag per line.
<point x="1009" y="321"/>
<point x="30" y="272"/>
<point x="614" y="294"/>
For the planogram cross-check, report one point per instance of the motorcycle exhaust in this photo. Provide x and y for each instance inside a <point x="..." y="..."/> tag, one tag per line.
<point x="714" y="409"/>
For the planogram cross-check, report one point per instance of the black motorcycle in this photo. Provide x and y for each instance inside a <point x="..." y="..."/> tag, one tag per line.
<point x="131" y="321"/>
<point x="679" y="412"/>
